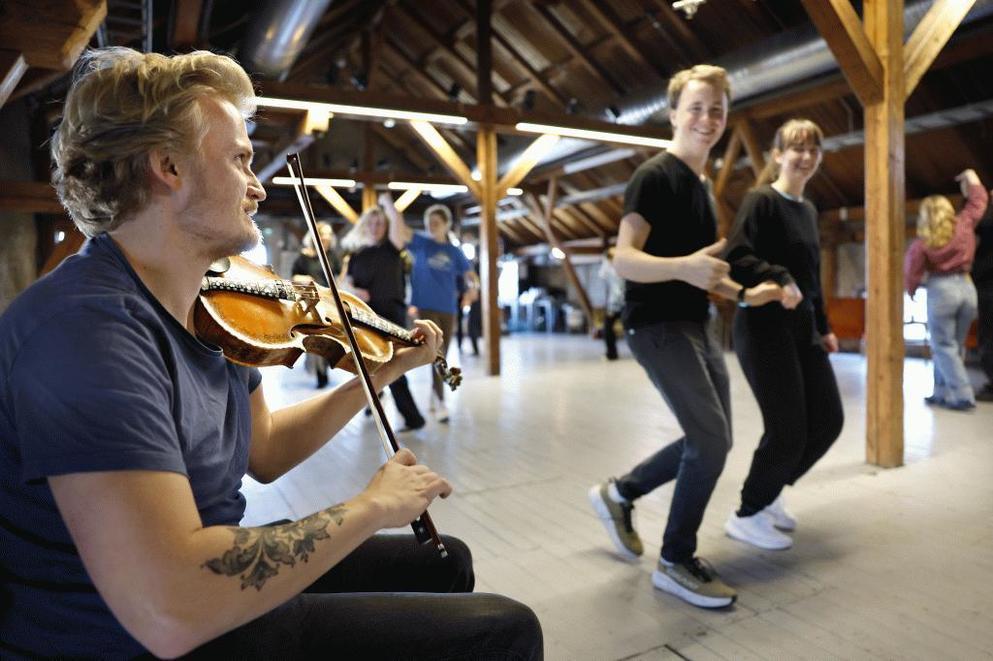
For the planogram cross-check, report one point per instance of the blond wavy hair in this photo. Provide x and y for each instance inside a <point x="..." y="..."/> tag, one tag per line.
<point x="794" y="133"/>
<point x="121" y="105"/>
<point x="359" y="236"/>
<point x="935" y="221"/>
<point x="708" y="73"/>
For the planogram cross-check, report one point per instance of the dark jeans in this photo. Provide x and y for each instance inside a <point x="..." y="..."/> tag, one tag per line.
<point x="446" y="322"/>
<point x="608" y="333"/>
<point x="686" y="364"/>
<point x="794" y="385"/>
<point x="392" y="598"/>
<point x="405" y="403"/>
<point x="985" y="330"/>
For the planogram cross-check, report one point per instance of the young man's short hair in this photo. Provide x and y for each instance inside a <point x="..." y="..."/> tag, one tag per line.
<point x="708" y="73"/>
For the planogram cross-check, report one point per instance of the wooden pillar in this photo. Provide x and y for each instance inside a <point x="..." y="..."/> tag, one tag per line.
<point x="884" y="193"/>
<point x="486" y="154"/>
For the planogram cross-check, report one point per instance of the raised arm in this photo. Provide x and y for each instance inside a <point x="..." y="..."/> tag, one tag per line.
<point x="400" y="234"/>
<point x="976" y="197"/>
<point x="175" y="584"/>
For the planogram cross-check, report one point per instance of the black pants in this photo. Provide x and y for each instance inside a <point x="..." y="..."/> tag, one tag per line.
<point x="985" y="330"/>
<point x="686" y="365"/>
<point x="392" y="598"/>
<point x="400" y="390"/>
<point x="796" y="391"/>
<point x="609" y="338"/>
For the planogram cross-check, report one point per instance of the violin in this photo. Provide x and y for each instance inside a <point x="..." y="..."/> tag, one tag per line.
<point x="260" y="319"/>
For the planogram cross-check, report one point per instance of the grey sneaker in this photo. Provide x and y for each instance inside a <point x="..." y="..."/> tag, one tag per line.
<point x="616" y="518"/>
<point x="694" y="581"/>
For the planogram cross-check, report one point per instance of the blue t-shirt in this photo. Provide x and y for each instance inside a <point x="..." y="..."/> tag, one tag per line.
<point x="95" y="375"/>
<point x="437" y="268"/>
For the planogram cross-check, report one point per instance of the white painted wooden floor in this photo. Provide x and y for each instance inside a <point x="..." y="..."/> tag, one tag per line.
<point x="887" y="564"/>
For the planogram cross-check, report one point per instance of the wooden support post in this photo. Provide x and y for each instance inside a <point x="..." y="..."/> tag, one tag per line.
<point x="726" y="217"/>
<point x="486" y="150"/>
<point x="338" y="202"/>
<point x="752" y="147"/>
<point x="884" y="192"/>
<point x="368" y="196"/>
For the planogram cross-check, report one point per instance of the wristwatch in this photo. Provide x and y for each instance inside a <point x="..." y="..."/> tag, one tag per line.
<point x="742" y="303"/>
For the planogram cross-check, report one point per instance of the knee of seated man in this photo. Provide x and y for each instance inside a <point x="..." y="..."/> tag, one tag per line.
<point x="513" y="622"/>
<point x="460" y="561"/>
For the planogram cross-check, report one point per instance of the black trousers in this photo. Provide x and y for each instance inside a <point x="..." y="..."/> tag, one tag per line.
<point x="794" y="384"/>
<point x="609" y="338"/>
<point x="404" y="400"/>
<point x="985" y="330"/>
<point x="391" y="598"/>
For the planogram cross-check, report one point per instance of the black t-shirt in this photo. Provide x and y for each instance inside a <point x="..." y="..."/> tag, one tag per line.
<point x="310" y="265"/>
<point x="680" y="210"/>
<point x="775" y="238"/>
<point x="379" y="270"/>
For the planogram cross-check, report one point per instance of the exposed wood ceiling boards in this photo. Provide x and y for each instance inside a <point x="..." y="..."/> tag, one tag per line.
<point x="578" y="50"/>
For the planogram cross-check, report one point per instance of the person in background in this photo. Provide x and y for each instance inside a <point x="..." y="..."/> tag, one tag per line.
<point x="373" y="271"/>
<point x="307" y="268"/>
<point x="667" y="250"/>
<point x="944" y="250"/>
<point x="438" y="265"/>
<point x="614" y="303"/>
<point x="982" y="276"/>
<point x="783" y="350"/>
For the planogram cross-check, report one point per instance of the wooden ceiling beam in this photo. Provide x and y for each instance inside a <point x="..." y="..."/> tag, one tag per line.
<point x="578" y="50"/>
<point x="29" y="197"/>
<point x="50" y="35"/>
<point x="13" y="66"/>
<point x="688" y="39"/>
<point x="620" y="33"/>
<point x="535" y="75"/>
<point x="929" y="37"/>
<point x="448" y="156"/>
<point x="185" y="33"/>
<point x="841" y="28"/>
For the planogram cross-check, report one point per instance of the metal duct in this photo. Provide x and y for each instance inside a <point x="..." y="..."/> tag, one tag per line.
<point x="780" y="61"/>
<point x="277" y="35"/>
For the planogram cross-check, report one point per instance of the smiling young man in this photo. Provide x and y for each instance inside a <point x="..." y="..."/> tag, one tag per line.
<point x="124" y="439"/>
<point x="667" y="251"/>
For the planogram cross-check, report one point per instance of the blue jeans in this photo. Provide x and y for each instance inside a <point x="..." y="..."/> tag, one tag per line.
<point x="686" y="364"/>
<point x="951" y="308"/>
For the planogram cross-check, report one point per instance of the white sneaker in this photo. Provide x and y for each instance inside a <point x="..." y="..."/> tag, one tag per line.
<point x="440" y="411"/>
<point x="757" y="530"/>
<point x="782" y="518"/>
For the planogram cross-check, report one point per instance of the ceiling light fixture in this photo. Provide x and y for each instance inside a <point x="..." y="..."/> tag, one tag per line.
<point x="431" y="188"/>
<point x="315" y="181"/>
<point x="360" y="111"/>
<point x="599" y="136"/>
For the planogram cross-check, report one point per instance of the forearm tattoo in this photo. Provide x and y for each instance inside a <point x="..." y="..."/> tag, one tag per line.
<point x="258" y="552"/>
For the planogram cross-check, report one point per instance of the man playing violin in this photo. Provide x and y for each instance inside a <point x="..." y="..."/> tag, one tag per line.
<point x="123" y="438"/>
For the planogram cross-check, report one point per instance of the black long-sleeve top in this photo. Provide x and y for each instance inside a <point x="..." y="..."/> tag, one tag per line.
<point x="775" y="238"/>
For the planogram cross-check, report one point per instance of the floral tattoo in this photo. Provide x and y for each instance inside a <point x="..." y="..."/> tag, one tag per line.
<point x="258" y="552"/>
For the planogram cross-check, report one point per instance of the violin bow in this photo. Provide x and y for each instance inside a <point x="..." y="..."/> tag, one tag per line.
<point x="423" y="526"/>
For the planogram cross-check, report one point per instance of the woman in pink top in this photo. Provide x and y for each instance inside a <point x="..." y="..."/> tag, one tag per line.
<point x="944" y="249"/>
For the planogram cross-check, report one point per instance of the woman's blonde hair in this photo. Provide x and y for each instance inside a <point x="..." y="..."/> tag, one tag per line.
<point x="936" y="221"/>
<point x="359" y="237"/>
<point x="794" y="133"/>
<point x="708" y="73"/>
<point x="121" y="105"/>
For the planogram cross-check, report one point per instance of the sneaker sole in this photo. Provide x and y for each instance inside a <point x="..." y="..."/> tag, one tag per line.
<point x="733" y="533"/>
<point x="666" y="584"/>
<point x="608" y="522"/>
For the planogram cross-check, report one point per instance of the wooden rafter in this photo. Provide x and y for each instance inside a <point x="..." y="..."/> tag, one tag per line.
<point x="185" y="33"/>
<point x="535" y="76"/>
<point x="447" y="155"/>
<point x="578" y="51"/>
<point x="687" y="37"/>
<point x="525" y="162"/>
<point x="12" y="67"/>
<point x="620" y="33"/>
<point x="838" y="23"/>
<point x="751" y="145"/>
<point x="929" y="37"/>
